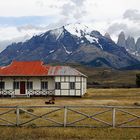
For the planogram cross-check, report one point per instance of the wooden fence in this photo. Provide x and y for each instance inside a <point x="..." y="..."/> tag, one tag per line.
<point x="70" y="116"/>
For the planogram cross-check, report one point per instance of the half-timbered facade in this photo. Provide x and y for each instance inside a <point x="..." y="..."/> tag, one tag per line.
<point x="33" y="78"/>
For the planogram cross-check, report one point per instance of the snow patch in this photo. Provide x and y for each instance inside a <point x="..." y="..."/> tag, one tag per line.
<point x="68" y="52"/>
<point x="46" y="36"/>
<point x="77" y="29"/>
<point x="90" y="39"/>
<point x="57" y="32"/>
<point x="135" y="53"/>
<point x="42" y="35"/>
<point x="101" y="46"/>
<point x="51" y="51"/>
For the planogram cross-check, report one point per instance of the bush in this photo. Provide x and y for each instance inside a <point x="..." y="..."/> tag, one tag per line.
<point x="138" y="80"/>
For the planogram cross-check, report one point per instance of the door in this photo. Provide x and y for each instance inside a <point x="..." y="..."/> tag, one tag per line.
<point x="22" y="87"/>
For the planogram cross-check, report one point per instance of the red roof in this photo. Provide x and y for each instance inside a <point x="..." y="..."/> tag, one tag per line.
<point x="36" y="68"/>
<point x="18" y="68"/>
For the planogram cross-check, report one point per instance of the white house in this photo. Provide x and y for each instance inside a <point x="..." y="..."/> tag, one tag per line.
<point x="32" y="78"/>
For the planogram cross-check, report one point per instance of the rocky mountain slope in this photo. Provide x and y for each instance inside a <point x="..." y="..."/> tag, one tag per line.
<point x="74" y="43"/>
<point x="130" y="45"/>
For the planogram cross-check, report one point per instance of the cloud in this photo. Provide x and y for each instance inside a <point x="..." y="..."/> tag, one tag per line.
<point x="130" y="29"/>
<point x="31" y="27"/>
<point x="67" y="9"/>
<point x="40" y="3"/>
<point x="129" y="24"/>
<point x="58" y="23"/>
<point x="11" y="32"/>
<point x="132" y="14"/>
<point x="73" y="9"/>
<point x="78" y="2"/>
<point x="117" y="27"/>
<point x="41" y="15"/>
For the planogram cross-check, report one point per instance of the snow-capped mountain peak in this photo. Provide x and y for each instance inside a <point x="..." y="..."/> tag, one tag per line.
<point x="81" y="30"/>
<point x="77" y="29"/>
<point x="73" y="43"/>
<point x="57" y="32"/>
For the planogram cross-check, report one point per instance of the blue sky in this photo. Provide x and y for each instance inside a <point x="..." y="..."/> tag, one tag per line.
<point x="25" y="20"/>
<point x="19" y="18"/>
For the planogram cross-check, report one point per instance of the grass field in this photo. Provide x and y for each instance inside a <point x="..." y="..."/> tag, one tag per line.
<point x="117" y="97"/>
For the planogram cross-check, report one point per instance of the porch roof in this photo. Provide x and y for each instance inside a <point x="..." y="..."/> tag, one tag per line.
<point x="37" y="68"/>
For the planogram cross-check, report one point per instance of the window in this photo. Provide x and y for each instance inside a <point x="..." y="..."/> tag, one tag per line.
<point x="2" y="85"/>
<point x="29" y="85"/>
<point x="57" y="85"/>
<point x="72" y="85"/>
<point x="16" y="85"/>
<point x="44" y="85"/>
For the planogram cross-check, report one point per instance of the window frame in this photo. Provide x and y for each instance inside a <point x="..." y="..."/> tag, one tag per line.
<point x="72" y="85"/>
<point x="57" y="85"/>
<point x="2" y="85"/>
<point x="29" y="85"/>
<point x="44" y="85"/>
<point x="16" y="85"/>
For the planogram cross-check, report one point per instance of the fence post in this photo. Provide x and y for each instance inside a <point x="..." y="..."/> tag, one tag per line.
<point x="17" y="116"/>
<point x="65" y="116"/>
<point x="114" y="117"/>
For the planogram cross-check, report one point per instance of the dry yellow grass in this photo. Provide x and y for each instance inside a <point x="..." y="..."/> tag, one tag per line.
<point x="69" y="134"/>
<point x="93" y="97"/>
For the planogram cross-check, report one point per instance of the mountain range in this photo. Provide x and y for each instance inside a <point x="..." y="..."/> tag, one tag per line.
<point x="129" y="44"/>
<point x="75" y="44"/>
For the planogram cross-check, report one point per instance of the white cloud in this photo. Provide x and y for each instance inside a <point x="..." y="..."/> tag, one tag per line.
<point x="102" y="15"/>
<point x="28" y="7"/>
<point x="129" y="24"/>
<point x="132" y="14"/>
<point x="9" y="33"/>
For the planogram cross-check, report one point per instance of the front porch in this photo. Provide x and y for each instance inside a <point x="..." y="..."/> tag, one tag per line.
<point x="22" y="86"/>
<point x="38" y="92"/>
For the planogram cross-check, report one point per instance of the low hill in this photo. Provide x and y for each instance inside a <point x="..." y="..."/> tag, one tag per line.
<point x="106" y="77"/>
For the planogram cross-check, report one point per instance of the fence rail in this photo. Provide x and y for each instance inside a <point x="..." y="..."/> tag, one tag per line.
<point x="70" y="116"/>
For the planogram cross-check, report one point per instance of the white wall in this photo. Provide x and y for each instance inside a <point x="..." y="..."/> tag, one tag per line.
<point x="80" y="84"/>
<point x="36" y="83"/>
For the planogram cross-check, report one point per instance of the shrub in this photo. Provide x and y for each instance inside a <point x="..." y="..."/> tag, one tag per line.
<point x="138" y="80"/>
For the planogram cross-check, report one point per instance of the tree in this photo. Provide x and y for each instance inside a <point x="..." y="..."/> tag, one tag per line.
<point x="138" y="80"/>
